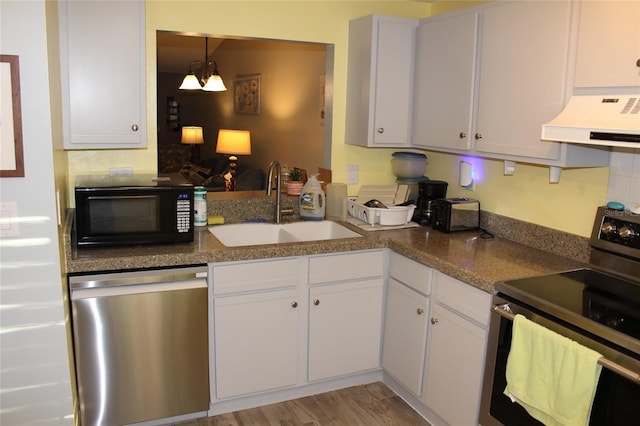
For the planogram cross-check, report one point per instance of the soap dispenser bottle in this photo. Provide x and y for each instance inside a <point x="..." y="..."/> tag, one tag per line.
<point x="312" y="200"/>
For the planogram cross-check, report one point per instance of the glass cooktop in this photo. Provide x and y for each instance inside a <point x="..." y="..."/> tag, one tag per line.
<point x="585" y="293"/>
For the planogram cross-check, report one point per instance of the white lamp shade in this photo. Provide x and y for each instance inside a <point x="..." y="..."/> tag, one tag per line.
<point x="192" y="135"/>
<point x="190" y="82"/>
<point x="214" y="84"/>
<point x="236" y="142"/>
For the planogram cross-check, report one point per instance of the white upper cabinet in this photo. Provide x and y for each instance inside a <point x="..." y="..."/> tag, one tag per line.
<point x="380" y="81"/>
<point x="103" y="74"/>
<point x="445" y="73"/>
<point x="522" y="74"/>
<point x="608" y="52"/>
<point x="487" y="78"/>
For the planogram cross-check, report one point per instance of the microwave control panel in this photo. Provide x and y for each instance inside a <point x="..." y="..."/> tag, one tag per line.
<point x="184" y="213"/>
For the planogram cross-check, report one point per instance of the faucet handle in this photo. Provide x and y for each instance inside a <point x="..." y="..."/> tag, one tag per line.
<point x="288" y="211"/>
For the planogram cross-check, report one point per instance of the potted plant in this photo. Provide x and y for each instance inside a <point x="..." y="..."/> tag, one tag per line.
<point x="294" y="184"/>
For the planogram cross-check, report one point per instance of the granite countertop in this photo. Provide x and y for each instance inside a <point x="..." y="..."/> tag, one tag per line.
<point x="463" y="255"/>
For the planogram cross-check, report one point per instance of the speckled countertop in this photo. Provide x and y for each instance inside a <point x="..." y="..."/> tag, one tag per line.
<point x="463" y="255"/>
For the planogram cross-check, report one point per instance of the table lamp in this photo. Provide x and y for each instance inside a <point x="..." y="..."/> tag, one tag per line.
<point x="233" y="142"/>
<point x="192" y="135"/>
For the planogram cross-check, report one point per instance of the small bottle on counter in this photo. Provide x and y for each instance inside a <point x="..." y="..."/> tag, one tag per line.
<point x="199" y="206"/>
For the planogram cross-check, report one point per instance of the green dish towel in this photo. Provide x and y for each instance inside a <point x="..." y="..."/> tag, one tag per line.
<point x="551" y="376"/>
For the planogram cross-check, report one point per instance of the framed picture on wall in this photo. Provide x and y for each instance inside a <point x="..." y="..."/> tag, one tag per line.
<point x="11" y="154"/>
<point x="246" y="94"/>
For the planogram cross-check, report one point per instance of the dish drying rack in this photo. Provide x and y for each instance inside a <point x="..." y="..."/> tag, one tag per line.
<point x="389" y="195"/>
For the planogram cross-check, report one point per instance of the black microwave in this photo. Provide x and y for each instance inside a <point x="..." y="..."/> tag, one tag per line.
<point x="131" y="210"/>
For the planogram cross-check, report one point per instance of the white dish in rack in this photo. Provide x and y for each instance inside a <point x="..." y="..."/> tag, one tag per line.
<point x="394" y="215"/>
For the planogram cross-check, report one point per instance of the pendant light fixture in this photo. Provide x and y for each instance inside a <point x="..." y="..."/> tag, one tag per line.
<point x="212" y="80"/>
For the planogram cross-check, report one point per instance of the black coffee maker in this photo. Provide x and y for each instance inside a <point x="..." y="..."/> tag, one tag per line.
<point x="428" y="191"/>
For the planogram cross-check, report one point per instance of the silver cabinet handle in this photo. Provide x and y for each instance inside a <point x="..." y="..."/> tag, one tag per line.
<point x="478" y="136"/>
<point x="462" y="135"/>
<point x="135" y="127"/>
<point x="420" y="311"/>
<point x="434" y="321"/>
<point x="294" y="304"/>
<point x="381" y="130"/>
<point x="316" y="302"/>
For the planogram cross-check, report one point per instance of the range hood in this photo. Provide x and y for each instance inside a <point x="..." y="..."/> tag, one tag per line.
<point x="597" y="120"/>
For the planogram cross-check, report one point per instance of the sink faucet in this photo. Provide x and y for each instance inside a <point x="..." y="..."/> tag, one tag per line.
<point x="279" y="211"/>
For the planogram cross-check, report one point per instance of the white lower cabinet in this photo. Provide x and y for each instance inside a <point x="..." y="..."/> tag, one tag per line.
<point x="345" y="316"/>
<point x="406" y="321"/>
<point x="344" y="328"/>
<point x="456" y="349"/>
<point x="257" y="324"/>
<point x="263" y="310"/>
<point x="405" y="335"/>
<point x="259" y="351"/>
<point x="312" y="322"/>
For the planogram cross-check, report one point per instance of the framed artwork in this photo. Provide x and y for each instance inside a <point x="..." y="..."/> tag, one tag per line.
<point x="246" y="94"/>
<point x="11" y="154"/>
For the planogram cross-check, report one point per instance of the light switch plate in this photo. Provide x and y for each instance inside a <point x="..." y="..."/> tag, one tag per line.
<point x="352" y="175"/>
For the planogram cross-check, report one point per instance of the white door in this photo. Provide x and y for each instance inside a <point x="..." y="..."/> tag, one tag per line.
<point x="445" y="72"/>
<point x="455" y="367"/>
<point x="256" y="342"/>
<point x="405" y="335"/>
<point x="345" y="324"/>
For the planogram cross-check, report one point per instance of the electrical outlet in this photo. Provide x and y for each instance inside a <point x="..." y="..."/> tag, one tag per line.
<point x="121" y="171"/>
<point x="352" y="175"/>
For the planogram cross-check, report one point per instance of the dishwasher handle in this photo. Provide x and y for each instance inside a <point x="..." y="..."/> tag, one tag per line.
<point x="94" y="292"/>
<point x="162" y="279"/>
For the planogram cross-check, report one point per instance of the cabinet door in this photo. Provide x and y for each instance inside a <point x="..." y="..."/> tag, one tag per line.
<point x="608" y="44"/>
<point x="453" y="380"/>
<point x="345" y="324"/>
<point x="103" y="74"/>
<point x="445" y="63"/>
<point x="394" y="82"/>
<point x="256" y="342"/>
<point x="522" y="70"/>
<point x="380" y="81"/>
<point x="405" y="335"/>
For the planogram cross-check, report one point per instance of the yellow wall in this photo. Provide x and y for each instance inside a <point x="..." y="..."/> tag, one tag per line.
<point x="567" y="206"/>
<point x="527" y="195"/>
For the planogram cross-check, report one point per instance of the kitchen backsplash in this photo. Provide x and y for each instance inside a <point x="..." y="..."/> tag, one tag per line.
<point x="624" y="177"/>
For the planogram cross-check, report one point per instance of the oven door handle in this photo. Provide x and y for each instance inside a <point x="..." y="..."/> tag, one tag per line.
<point x="505" y="311"/>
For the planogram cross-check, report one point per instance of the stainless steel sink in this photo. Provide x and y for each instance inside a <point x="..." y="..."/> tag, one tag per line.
<point x="251" y="234"/>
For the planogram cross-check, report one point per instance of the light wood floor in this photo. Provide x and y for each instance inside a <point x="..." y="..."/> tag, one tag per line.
<point x="371" y="405"/>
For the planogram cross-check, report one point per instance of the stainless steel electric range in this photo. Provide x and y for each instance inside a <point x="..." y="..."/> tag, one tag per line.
<point x="598" y="306"/>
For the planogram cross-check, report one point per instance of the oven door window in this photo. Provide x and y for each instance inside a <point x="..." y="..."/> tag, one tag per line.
<point x="124" y="215"/>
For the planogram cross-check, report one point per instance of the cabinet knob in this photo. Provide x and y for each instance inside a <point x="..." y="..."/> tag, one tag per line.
<point x="434" y="321"/>
<point x="638" y="63"/>
<point x="420" y="311"/>
<point x="462" y="135"/>
<point x="316" y="302"/>
<point x="135" y="127"/>
<point x="294" y="304"/>
<point x="381" y="130"/>
<point x="478" y="136"/>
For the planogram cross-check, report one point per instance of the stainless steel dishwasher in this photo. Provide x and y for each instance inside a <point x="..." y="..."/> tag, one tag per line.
<point x="141" y="344"/>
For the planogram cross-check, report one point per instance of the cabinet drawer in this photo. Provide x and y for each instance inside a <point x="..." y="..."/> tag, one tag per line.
<point x="411" y="273"/>
<point x="465" y="299"/>
<point x="269" y="274"/>
<point x="342" y="267"/>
